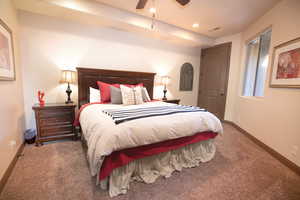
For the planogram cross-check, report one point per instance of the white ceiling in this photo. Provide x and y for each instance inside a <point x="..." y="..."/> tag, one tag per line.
<point x="231" y="15"/>
<point x="95" y="13"/>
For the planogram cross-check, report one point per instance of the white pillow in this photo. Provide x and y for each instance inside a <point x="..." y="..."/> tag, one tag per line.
<point x="94" y="95"/>
<point x="138" y="95"/>
<point x="131" y="96"/>
<point x="145" y="94"/>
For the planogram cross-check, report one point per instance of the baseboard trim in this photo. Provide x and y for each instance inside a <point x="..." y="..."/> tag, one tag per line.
<point x="271" y="151"/>
<point x="10" y="168"/>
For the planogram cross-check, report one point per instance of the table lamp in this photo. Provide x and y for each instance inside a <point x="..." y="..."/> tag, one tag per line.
<point x="68" y="76"/>
<point x="165" y="81"/>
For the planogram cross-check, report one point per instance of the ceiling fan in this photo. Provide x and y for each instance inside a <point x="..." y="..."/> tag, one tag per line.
<point x="141" y="4"/>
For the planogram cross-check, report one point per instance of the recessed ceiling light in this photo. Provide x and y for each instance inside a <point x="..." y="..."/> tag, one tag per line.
<point x="152" y="10"/>
<point x="195" y="25"/>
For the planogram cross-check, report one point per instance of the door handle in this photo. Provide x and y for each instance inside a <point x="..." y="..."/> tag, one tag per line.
<point x="222" y="94"/>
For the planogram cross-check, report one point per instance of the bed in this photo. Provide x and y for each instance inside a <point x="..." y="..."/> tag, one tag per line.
<point x="141" y="149"/>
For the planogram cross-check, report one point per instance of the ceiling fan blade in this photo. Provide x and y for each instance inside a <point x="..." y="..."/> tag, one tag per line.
<point x="183" y="2"/>
<point x="141" y="4"/>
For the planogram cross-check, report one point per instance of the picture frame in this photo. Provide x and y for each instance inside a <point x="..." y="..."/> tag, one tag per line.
<point x="7" y="58"/>
<point x="285" y="72"/>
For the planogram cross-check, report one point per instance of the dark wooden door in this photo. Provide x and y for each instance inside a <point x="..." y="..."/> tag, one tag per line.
<point x="214" y="71"/>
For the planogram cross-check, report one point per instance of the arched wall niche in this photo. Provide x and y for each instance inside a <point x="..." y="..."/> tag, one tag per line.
<point x="186" y="77"/>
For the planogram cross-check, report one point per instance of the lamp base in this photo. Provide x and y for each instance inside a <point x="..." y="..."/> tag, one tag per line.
<point x="165" y="92"/>
<point x="69" y="102"/>
<point x="69" y="91"/>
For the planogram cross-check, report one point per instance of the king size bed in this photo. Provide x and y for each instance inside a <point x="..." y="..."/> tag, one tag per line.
<point x="140" y="142"/>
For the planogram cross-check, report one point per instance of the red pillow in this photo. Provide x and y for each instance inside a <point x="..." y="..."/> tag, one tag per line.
<point x="105" y="90"/>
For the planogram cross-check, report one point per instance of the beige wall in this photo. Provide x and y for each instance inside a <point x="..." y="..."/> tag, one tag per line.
<point x="11" y="106"/>
<point x="274" y="118"/>
<point x="49" y="44"/>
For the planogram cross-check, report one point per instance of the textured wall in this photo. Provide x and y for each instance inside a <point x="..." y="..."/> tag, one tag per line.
<point x="11" y="107"/>
<point x="274" y="118"/>
<point x="49" y="44"/>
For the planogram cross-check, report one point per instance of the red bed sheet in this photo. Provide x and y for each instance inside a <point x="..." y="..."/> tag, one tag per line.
<point x="123" y="157"/>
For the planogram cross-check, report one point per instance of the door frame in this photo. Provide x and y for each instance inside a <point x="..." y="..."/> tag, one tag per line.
<point x="229" y="44"/>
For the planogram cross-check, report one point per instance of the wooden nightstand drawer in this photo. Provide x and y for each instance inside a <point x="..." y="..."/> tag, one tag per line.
<point x="60" y="120"/>
<point x="56" y="130"/>
<point x="54" y="113"/>
<point x="54" y="121"/>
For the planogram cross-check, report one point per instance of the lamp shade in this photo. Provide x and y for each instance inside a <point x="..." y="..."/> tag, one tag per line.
<point x="165" y="80"/>
<point x="68" y="76"/>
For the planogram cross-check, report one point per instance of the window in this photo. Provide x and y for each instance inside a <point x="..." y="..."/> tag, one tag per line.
<point x="257" y="60"/>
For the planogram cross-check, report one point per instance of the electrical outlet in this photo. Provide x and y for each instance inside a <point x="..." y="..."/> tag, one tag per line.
<point x="294" y="150"/>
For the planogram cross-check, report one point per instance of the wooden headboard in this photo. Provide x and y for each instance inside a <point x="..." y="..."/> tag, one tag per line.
<point x="88" y="77"/>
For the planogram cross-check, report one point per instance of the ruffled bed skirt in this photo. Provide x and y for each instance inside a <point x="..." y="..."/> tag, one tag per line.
<point x="150" y="168"/>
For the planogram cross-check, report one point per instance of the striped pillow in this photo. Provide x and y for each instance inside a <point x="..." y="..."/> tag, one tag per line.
<point x="131" y="96"/>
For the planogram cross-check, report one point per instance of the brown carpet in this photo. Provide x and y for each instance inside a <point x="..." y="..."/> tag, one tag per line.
<point x="240" y="170"/>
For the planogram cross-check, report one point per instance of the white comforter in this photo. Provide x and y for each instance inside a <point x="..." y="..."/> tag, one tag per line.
<point x="104" y="136"/>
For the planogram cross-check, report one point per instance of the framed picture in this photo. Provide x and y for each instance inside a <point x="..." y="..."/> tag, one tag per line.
<point x="7" y="64"/>
<point x="285" y="71"/>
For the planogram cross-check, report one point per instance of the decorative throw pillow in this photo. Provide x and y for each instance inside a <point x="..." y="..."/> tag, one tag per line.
<point x="94" y="95"/>
<point x="138" y="95"/>
<point x="115" y="95"/>
<point x="131" y="96"/>
<point x="145" y="95"/>
<point x="105" y="90"/>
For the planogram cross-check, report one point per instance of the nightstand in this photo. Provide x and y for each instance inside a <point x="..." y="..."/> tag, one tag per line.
<point x="54" y="121"/>
<point x="176" y="101"/>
